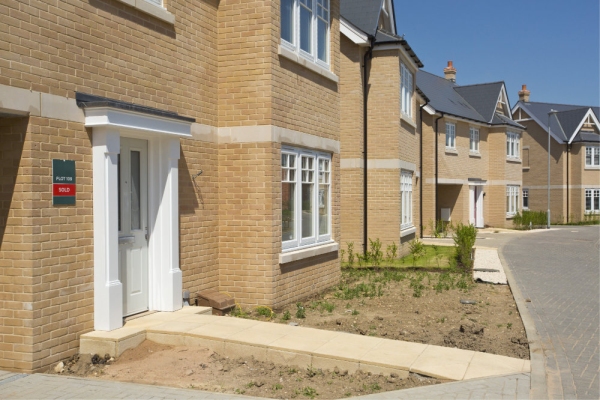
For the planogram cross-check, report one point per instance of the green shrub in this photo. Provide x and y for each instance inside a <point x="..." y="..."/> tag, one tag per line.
<point x="350" y="253"/>
<point x="417" y="249"/>
<point x="300" y="312"/>
<point x="391" y="252"/>
<point x="376" y="255"/>
<point x="464" y="239"/>
<point x="533" y="219"/>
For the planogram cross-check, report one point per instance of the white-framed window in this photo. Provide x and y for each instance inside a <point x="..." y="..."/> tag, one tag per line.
<point x="512" y="200"/>
<point x="305" y="197"/>
<point x="450" y="135"/>
<point x="592" y="156"/>
<point x="406" y="197"/>
<point x="525" y="199"/>
<point x="512" y="145"/>
<point x="474" y="140"/>
<point x="592" y="200"/>
<point x="406" y="90"/>
<point x="305" y="28"/>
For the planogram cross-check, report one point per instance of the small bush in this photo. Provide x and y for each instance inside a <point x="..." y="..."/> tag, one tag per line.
<point x="464" y="239"/>
<point x="264" y="311"/>
<point x="375" y="255"/>
<point x="533" y="219"/>
<point x="350" y="253"/>
<point x="417" y="249"/>
<point x="286" y="316"/>
<point x="391" y="252"/>
<point x="301" y="311"/>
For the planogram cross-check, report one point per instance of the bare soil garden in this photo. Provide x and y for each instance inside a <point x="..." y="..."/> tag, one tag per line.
<point x="432" y="304"/>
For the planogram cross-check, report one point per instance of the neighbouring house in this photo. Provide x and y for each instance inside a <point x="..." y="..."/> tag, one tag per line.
<point x="574" y="134"/>
<point x="380" y="172"/>
<point x="150" y="148"/>
<point x="471" y="153"/>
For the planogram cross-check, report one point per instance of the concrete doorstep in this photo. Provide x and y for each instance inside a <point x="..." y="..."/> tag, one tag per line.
<point x="295" y="345"/>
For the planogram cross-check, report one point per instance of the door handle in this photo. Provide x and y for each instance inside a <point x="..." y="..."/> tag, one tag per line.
<point x="126" y="239"/>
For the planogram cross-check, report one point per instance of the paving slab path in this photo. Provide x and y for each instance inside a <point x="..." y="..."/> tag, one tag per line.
<point x="557" y="273"/>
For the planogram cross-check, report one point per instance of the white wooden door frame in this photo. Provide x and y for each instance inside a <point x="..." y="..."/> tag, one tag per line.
<point x="165" y="279"/>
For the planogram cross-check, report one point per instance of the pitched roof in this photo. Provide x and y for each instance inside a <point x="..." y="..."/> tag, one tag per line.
<point x="383" y="38"/>
<point x="364" y="14"/>
<point x="482" y="97"/>
<point x="473" y="102"/>
<point x="568" y="118"/>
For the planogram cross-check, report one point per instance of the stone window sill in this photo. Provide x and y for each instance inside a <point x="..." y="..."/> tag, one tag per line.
<point x="594" y="167"/>
<point x="151" y="9"/>
<point x="514" y="160"/>
<point x="408" y="120"/>
<point x="291" y="55"/>
<point x="526" y="168"/>
<point x="313" y="251"/>
<point x="408" y="231"/>
<point x="451" y="150"/>
<point x="474" y="154"/>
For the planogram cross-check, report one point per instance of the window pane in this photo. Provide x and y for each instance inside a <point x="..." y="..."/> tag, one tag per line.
<point x="136" y="212"/>
<point x="596" y="200"/>
<point x="306" y="26"/>
<point x="322" y="40"/>
<point x="323" y="209"/>
<point x="597" y="156"/>
<point x="287" y="20"/>
<point x="288" y="231"/>
<point x="307" y="210"/>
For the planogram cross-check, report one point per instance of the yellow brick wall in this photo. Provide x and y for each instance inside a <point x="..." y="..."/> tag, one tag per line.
<point x="198" y="215"/>
<point x="302" y="99"/>
<point x="110" y="49"/>
<point x="537" y="174"/>
<point x="491" y="165"/>
<point x="351" y="137"/>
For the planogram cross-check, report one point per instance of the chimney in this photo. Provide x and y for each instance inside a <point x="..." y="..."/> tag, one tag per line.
<point x="524" y="94"/>
<point x="450" y="72"/>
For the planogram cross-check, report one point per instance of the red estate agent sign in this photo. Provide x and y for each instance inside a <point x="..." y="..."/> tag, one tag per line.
<point x="63" y="182"/>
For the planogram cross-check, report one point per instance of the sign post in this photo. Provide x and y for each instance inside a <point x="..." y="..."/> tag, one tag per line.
<point x="63" y="182"/>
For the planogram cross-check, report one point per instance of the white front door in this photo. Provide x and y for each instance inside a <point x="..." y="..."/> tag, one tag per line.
<point x="133" y="224"/>
<point x="476" y="206"/>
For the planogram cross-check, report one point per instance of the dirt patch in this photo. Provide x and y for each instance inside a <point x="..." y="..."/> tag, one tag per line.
<point x="422" y="307"/>
<point x="198" y="368"/>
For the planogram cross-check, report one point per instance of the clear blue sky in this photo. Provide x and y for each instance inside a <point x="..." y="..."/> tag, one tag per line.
<point x="552" y="46"/>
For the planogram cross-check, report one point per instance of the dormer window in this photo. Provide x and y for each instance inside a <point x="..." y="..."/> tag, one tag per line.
<point x="305" y="28"/>
<point x="406" y="88"/>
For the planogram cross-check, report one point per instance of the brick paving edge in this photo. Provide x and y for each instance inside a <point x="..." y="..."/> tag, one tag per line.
<point x="539" y="385"/>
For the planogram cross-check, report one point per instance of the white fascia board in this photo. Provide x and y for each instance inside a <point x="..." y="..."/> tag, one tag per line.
<point x="587" y="114"/>
<point x="397" y="47"/>
<point x="122" y="119"/>
<point x="500" y="95"/>
<point x="358" y="37"/>
<point x="429" y="110"/>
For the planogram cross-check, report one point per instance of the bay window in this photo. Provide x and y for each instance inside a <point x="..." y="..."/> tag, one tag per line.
<point x="406" y="196"/>
<point x="512" y="145"/>
<point x="512" y="200"/>
<point x="306" y="197"/>
<point x="406" y="91"/>
<point x="305" y="28"/>
<point x="592" y="156"/>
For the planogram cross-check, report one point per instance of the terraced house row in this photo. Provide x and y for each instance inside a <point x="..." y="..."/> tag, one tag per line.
<point x="154" y="147"/>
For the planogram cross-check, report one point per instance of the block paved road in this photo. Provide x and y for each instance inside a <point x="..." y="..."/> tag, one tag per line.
<point x="559" y="271"/>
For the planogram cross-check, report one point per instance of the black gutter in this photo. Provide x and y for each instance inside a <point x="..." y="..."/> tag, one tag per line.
<point x="421" y="166"/>
<point x="436" y="167"/>
<point x="367" y="57"/>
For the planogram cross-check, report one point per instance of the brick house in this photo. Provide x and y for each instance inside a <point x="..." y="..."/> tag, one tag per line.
<point x="471" y="152"/>
<point x="198" y="143"/>
<point x="575" y="155"/>
<point x="379" y="127"/>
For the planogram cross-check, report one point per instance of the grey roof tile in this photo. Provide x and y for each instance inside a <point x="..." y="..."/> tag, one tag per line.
<point x="364" y="14"/>
<point x="482" y="97"/>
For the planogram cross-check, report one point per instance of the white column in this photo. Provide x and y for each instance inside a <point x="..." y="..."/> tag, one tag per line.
<point x="108" y="290"/>
<point x="166" y="289"/>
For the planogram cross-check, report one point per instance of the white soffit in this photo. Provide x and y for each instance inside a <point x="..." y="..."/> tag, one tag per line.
<point x="354" y="34"/>
<point x="130" y="120"/>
